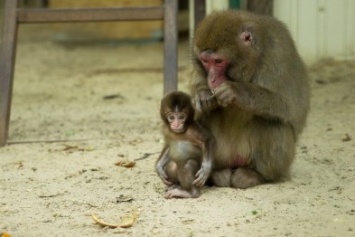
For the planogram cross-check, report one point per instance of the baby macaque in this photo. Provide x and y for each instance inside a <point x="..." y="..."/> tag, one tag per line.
<point x="185" y="162"/>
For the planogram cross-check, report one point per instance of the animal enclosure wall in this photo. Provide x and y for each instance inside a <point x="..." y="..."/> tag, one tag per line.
<point x="320" y="28"/>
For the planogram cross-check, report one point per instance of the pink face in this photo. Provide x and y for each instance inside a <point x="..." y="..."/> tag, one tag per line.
<point x="215" y="66"/>
<point x="177" y="121"/>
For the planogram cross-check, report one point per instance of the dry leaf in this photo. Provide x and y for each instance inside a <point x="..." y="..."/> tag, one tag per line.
<point x="126" y="221"/>
<point x="123" y="198"/>
<point x="72" y="149"/>
<point x="20" y="165"/>
<point x="102" y="223"/>
<point x="346" y="138"/>
<point x="126" y="163"/>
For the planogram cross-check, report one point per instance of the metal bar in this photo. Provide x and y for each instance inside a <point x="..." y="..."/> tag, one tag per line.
<point x="89" y="14"/>
<point x="7" y="61"/>
<point x="170" y="46"/>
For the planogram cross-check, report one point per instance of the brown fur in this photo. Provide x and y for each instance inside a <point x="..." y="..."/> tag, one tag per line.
<point x="185" y="162"/>
<point x="259" y="110"/>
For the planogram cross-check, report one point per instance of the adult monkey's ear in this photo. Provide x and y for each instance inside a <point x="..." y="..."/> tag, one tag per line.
<point x="247" y="38"/>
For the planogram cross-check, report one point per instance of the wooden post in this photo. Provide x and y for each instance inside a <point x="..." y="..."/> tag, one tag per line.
<point x="170" y="46"/>
<point x="7" y="62"/>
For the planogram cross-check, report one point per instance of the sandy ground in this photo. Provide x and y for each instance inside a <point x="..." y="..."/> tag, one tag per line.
<point x="99" y="102"/>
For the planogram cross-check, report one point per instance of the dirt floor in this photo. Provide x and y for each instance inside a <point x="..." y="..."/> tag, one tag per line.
<point x="98" y="104"/>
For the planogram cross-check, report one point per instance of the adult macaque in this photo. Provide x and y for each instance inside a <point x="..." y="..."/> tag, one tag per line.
<point x="251" y="92"/>
<point x="185" y="162"/>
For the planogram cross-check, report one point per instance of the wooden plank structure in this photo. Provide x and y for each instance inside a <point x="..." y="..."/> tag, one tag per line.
<point x="13" y="16"/>
<point x="106" y="31"/>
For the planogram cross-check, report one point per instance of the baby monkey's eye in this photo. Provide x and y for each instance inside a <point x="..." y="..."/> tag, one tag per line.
<point x="171" y="118"/>
<point x="182" y="117"/>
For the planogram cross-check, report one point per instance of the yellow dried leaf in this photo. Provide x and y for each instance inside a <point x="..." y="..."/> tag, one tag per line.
<point x="126" y="163"/>
<point x="129" y="219"/>
<point x="126" y="221"/>
<point x="103" y="223"/>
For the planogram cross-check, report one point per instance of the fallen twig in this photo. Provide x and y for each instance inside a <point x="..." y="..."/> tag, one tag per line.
<point x="146" y="155"/>
<point x="51" y="195"/>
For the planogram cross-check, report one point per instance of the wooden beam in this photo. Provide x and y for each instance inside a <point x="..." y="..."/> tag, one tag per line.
<point x="89" y="15"/>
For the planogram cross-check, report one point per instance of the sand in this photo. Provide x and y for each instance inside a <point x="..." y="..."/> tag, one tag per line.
<point x="78" y="108"/>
